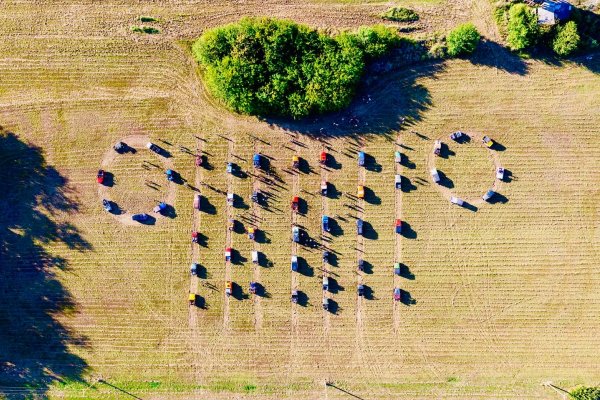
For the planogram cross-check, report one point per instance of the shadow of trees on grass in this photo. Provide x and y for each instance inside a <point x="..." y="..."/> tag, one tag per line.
<point x="34" y="344"/>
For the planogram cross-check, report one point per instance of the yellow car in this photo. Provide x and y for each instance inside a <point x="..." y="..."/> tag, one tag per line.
<point x="488" y="141"/>
<point x="361" y="192"/>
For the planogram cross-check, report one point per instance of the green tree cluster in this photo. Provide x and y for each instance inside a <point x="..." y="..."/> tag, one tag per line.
<point x="566" y="40"/>
<point x="400" y="14"/>
<point x="463" y="40"/>
<point x="523" y="30"/>
<point x="270" y="67"/>
<point x="586" y="393"/>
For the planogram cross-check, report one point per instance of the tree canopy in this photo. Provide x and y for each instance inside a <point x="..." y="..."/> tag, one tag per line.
<point x="270" y="67"/>
<point x="522" y="28"/>
<point x="463" y="40"/>
<point x="567" y="39"/>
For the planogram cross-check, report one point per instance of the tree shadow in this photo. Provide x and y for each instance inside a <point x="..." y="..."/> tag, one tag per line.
<point x="302" y="298"/>
<point x="334" y="307"/>
<point x="335" y="229"/>
<point x="35" y="347"/>
<point x="371" y="163"/>
<point x="406" y="162"/>
<point x="369" y="231"/>
<point x="237" y="292"/>
<point x="493" y="55"/>
<point x="237" y="258"/>
<point x="109" y="179"/>
<point x="332" y="192"/>
<point x="407" y="185"/>
<point x="384" y="103"/>
<point x="334" y="286"/>
<point x="304" y="268"/>
<point x="445" y="181"/>
<point x="206" y="206"/>
<point x="368" y="292"/>
<point x="498" y="198"/>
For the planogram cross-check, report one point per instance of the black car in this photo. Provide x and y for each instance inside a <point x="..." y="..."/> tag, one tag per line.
<point x="106" y="204"/>
<point x="325" y="256"/>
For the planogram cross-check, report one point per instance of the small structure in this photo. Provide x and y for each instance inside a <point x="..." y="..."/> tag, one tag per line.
<point x="325" y="223"/>
<point x="296" y="234"/>
<point x="100" y="176"/>
<point x="229" y="199"/>
<point x="228" y="254"/>
<point x="361" y="158"/>
<point x="500" y="173"/>
<point x="325" y="303"/>
<point x="199" y="160"/>
<point x="398" y="157"/>
<point x="437" y="148"/>
<point x="294" y="263"/>
<point x="359" y="226"/>
<point x="170" y="175"/>
<point x="294" y="296"/>
<point x="325" y="283"/>
<point x="255" y="256"/>
<point x="397" y="294"/>
<point x="324" y="188"/>
<point x="361" y="264"/>
<point x="487" y="141"/>
<point x="256" y="160"/>
<point x="120" y="147"/>
<point x="194" y="237"/>
<point x="194" y="269"/>
<point x="253" y="287"/>
<point x="254" y="196"/>
<point x="435" y="175"/>
<point x="251" y="233"/>
<point x="397" y="268"/>
<point x="160" y="208"/>
<point x="361" y="192"/>
<point x="192" y="298"/>
<point x="107" y="205"/>
<point x="398" y="181"/>
<point x="326" y="256"/>
<point x="197" y="201"/>
<point x="551" y="12"/>
<point x="228" y="288"/>
<point x="488" y="195"/>
<point x="398" y="226"/>
<point x="230" y="168"/>
<point x="360" y="290"/>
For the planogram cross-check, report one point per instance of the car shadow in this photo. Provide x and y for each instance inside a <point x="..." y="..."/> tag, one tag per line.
<point x="237" y="258"/>
<point x="405" y="272"/>
<point x="407" y="185"/>
<point x="368" y="292"/>
<point x="407" y="231"/>
<point x="334" y="286"/>
<point x="498" y="198"/>
<point x="406" y="298"/>
<point x="335" y="229"/>
<point x="371" y="197"/>
<point x="109" y="179"/>
<point x="304" y="268"/>
<point x="445" y="181"/>
<point x="371" y="163"/>
<point x="369" y="231"/>
<point x="150" y="220"/>
<point x="302" y="299"/>
<point x="367" y="267"/>
<point x="206" y="206"/>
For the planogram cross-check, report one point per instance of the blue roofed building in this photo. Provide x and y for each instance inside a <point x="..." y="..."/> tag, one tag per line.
<point x="552" y="11"/>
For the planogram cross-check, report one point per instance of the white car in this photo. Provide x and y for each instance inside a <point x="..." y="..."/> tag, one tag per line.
<point x="435" y="175"/>
<point x="500" y="173"/>
<point x="457" y="201"/>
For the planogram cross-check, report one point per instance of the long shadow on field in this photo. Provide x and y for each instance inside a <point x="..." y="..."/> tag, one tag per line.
<point x="383" y="103"/>
<point x="492" y="54"/>
<point x="34" y="345"/>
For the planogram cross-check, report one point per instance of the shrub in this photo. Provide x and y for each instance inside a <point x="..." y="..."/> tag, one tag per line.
<point x="145" y="29"/>
<point x="567" y="39"/>
<point x="586" y="393"/>
<point x="148" y="19"/>
<point x="400" y="14"/>
<point x="522" y="27"/>
<point x="463" y="40"/>
<point x="270" y="67"/>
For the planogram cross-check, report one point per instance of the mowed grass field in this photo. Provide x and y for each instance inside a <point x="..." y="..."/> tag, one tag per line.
<point x="496" y="301"/>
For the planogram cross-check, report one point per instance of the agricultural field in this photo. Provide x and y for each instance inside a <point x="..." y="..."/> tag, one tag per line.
<point x="497" y="298"/>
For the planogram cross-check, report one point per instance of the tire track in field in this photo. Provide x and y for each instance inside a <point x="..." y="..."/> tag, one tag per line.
<point x="228" y="236"/>
<point x="398" y="239"/>
<point x="360" y="252"/>
<point x="256" y="300"/>
<point x="195" y="253"/>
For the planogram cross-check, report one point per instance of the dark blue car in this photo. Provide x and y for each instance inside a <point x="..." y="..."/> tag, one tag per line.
<point x="139" y="217"/>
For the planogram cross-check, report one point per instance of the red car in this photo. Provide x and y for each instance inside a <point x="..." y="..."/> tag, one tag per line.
<point x="295" y="202"/>
<point x="100" y="176"/>
<point x="323" y="157"/>
<point x="199" y="160"/>
<point x="398" y="226"/>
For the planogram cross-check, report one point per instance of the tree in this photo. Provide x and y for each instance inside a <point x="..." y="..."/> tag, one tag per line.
<point x="271" y="67"/>
<point x="463" y="40"/>
<point x="567" y="39"/>
<point x="586" y="393"/>
<point x="523" y="29"/>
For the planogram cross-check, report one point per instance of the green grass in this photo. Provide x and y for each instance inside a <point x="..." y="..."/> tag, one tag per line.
<point x="400" y="14"/>
<point x="148" y="19"/>
<point x="145" y="29"/>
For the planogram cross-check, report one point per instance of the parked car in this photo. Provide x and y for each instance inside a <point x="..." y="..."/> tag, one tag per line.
<point x="361" y="264"/>
<point x="107" y="205"/>
<point x="398" y="157"/>
<point x="325" y="303"/>
<point x="361" y="192"/>
<point x="360" y="290"/>
<point x="100" y="176"/>
<point x="229" y="168"/>
<point x="295" y="162"/>
<point x="295" y="201"/>
<point x="256" y="160"/>
<point x="457" y="136"/>
<point x="435" y="175"/>
<point x="296" y="234"/>
<point x="361" y="158"/>
<point x="228" y="288"/>
<point x="170" y="175"/>
<point x="294" y="263"/>
<point x="500" y="173"/>
<point x="398" y="181"/>
<point x="487" y="141"/>
<point x="228" y="254"/>
<point x="488" y="195"/>
<point x="359" y="226"/>
<point x="140" y="217"/>
<point x="324" y="188"/>
<point x="295" y="296"/>
<point x="199" y="160"/>
<point x="397" y="269"/>
<point x="252" y="288"/>
<point x="397" y="294"/>
<point x="456" y="200"/>
<point x="437" y="148"/>
<point x="326" y="256"/>
<point x="197" y="201"/>
<point x="251" y="233"/>
<point x="120" y="147"/>
<point x="154" y="148"/>
<point x="398" y="226"/>
<point x="194" y="269"/>
<point x="325" y="283"/>
<point x="323" y="158"/>
<point x="325" y="223"/>
<point x="254" y="256"/>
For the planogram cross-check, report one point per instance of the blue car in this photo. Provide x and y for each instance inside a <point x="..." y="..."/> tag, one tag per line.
<point x="295" y="263"/>
<point x="256" y="160"/>
<point x="325" y="221"/>
<point x="361" y="158"/>
<point x="229" y="168"/>
<point x="139" y="217"/>
<point x="170" y="175"/>
<point x="359" y="226"/>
